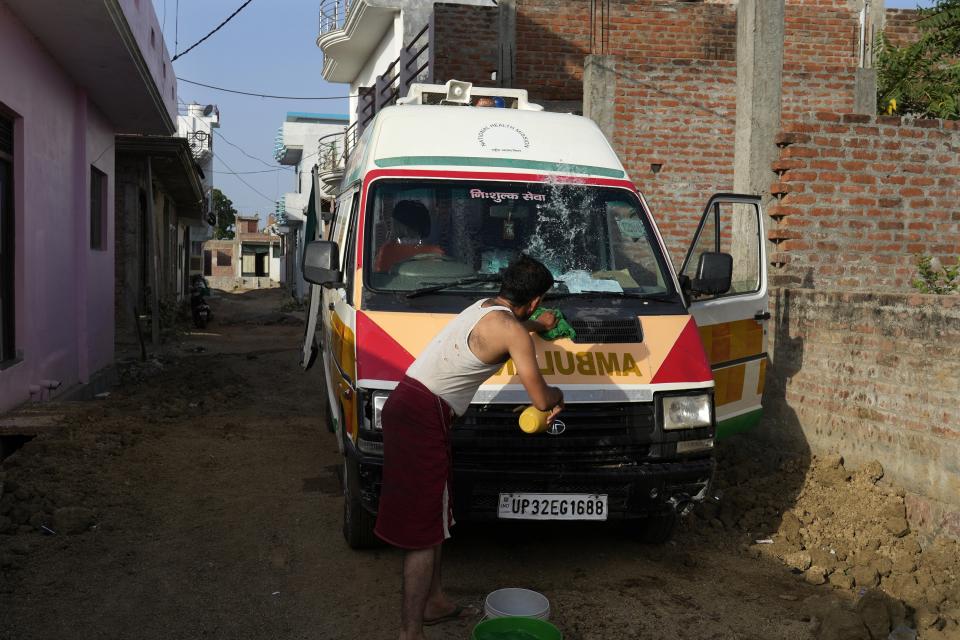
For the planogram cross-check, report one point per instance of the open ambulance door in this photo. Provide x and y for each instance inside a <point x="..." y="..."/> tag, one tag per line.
<point x="733" y="324"/>
<point x="310" y="345"/>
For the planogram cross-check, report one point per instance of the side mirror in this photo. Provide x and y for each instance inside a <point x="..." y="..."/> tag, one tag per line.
<point x="714" y="274"/>
<point x="321" y="261"/>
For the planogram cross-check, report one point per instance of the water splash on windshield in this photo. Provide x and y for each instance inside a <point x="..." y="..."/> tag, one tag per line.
<point x="562" y="234"/>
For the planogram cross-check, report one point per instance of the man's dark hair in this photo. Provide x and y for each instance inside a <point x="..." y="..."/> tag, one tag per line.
<point x="413" y="214"/>
<point x="524" y="280"/>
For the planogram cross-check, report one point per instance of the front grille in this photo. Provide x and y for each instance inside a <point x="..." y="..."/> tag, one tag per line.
<point x="596" y="436"/>
<point x="624" y="330"/>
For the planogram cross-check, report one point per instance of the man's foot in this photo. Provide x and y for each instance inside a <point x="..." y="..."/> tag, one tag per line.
<point x="452" y="613"/>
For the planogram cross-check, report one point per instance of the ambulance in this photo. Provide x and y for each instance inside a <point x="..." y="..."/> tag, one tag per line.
<point x="438" y="195"/>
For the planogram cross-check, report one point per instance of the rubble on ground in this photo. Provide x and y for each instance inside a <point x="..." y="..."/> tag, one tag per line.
<point x="846" y="530"/>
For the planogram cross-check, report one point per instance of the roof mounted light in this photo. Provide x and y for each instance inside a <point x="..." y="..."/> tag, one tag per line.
<point x="458" y="92"/>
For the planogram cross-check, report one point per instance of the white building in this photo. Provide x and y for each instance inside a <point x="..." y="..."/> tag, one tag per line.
<point x="366" y="41"/>
<point x="196" y="123"/>
<point x="313" y="144"/>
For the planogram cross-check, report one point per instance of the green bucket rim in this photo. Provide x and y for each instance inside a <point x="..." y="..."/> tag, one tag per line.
<point x="546" y="629"/>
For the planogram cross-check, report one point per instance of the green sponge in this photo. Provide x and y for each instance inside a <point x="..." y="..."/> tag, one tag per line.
<point x="561" y="330"/>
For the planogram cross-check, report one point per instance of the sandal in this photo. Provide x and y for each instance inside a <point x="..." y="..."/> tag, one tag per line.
<point x="460" y="612"/>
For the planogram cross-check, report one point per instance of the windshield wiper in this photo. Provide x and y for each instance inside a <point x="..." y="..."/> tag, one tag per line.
<point x="456" y="283"/>
<point x="658" y="297"/>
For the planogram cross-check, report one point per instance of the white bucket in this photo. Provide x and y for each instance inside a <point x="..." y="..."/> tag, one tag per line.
<point x="504" y="603"/>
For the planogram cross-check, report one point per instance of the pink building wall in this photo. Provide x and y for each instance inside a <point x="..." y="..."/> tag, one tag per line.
<point x="143" y="21"/>
<point x="64" y="290"/>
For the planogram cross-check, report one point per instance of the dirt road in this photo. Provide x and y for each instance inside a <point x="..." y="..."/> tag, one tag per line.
<point x="207" y="498"/>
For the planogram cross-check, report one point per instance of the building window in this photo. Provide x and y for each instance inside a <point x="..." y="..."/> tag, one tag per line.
<point x="207" y="262"/>
<point x="224" y="259"/>
<point x="98" y="209"/>
<point x="7" y="344"/>
<point x="196" y="248"/>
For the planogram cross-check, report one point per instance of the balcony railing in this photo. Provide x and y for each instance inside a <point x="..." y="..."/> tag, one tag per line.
<point x="331" y="155"/>
<point x="200" y="143"/>
<point x="413" y="65"/>
<point x="333" y="13"/>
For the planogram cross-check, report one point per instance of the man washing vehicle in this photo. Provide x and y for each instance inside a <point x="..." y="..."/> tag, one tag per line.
<point x="415" y="502"/>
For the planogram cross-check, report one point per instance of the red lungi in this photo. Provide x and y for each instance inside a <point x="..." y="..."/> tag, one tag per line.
<point x="416" y="510"/>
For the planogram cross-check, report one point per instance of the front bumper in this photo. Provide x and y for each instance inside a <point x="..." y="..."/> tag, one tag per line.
<point x="632" y="491"/>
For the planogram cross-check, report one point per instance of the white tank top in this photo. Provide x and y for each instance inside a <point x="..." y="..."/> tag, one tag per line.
<point x="448" y="368"/>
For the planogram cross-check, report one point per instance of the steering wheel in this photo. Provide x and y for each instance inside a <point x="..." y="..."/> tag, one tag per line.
<point x="431" y="265"/>
<point x="421" y="257"/>
<point x="429" y="256"/>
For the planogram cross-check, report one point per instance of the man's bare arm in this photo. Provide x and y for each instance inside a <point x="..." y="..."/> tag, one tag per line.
<point x="522" y="352"/>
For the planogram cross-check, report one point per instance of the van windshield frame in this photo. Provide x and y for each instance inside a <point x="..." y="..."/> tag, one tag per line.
<point x="595" y="239"/>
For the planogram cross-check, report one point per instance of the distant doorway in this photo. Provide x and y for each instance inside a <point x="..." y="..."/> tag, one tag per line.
<point x="255" y="261"/>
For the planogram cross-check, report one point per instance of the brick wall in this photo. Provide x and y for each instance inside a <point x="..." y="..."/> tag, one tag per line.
<point x="465" y="43"/>
<point x="873" y="376"/>
<point x="553" y="37"/>
<point x="686" y="30"/>
<point x="901" y="27"/>
<point x="860" y="196"/>
<point x="820" y="34"/>
<point x="805" y="91"/>
<point x="223" y="259"/>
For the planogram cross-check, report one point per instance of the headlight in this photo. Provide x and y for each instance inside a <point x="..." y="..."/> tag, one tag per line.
<point x="686" y="412"/>
<point x="372" y="409"/>
<point x="378" y="400"/>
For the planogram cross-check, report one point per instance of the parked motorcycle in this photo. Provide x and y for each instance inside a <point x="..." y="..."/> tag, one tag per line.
<point x="198" y="305"/>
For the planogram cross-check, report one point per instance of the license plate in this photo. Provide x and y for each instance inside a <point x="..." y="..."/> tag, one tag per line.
<point x="552" y="506"/>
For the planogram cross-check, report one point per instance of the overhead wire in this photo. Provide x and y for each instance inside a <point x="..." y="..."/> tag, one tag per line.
<point x="249" y="186"/>
<point x="244" y="173"/>
<point x="260" y="95"/>
<point x="217" y="28"/>
<point x="244" y="152"/>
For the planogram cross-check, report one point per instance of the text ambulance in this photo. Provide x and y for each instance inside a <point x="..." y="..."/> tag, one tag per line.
<point x="437" y="197"/>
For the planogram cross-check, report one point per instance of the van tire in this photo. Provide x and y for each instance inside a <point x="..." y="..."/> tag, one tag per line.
<point x="328" y="419"/>
<point x="654" y="529"/>
<point x="358" y="523"/>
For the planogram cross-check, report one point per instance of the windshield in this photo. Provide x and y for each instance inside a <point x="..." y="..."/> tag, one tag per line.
<point x="427" y="233"/>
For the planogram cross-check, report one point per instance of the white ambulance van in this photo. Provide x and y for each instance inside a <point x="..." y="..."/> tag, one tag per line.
<point x="437" y="197"/>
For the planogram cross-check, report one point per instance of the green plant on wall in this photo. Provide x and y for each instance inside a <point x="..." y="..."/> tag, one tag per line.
<point x="923" y="78"/>
<point x="934" y="277"/>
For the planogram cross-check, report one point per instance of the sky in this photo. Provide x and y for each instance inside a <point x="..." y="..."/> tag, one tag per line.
<point x="269" y="47"/>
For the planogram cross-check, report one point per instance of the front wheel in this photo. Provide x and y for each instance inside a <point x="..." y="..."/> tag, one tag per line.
<point x="358" y="523"/>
